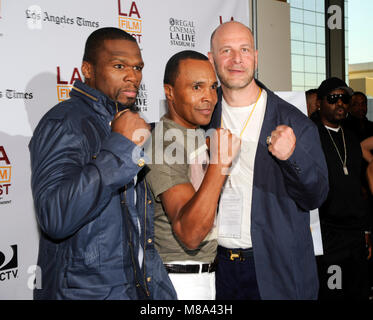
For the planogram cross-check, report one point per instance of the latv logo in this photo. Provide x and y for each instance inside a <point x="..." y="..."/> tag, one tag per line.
<point x="9" y="263"/>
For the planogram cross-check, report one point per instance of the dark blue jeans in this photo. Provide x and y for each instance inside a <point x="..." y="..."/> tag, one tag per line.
<point x="236" y="279"/>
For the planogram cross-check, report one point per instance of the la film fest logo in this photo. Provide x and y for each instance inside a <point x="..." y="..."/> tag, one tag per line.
<point x="129" y="18"/>
<point x="35" y="18"/>
<point x="5" y="176"/>
<point x="8" y="263"/>
<point x="64" y="86"/>
<point x="182" y="33"/>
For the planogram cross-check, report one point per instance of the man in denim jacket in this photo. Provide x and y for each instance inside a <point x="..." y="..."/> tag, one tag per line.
<point x="92" y="203"/>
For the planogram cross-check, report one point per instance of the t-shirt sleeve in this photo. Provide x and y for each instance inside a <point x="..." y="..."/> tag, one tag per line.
<point x="170" y="170"/>
<point x="162" y="177"/>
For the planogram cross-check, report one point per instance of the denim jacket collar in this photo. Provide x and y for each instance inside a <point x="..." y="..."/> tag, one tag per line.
<point x="99" y="101"/>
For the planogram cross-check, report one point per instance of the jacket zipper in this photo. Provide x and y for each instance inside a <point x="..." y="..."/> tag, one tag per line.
<point x="145" y="216"/>
<point x="130" y="236"/>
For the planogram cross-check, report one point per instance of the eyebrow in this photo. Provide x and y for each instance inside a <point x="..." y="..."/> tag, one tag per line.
<point x="141" y="63"/>
<point x="201" y="82"/>
<point x="242" y="45"/>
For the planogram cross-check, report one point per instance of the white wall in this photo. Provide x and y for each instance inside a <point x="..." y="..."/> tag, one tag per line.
<point x="273" y="31"/>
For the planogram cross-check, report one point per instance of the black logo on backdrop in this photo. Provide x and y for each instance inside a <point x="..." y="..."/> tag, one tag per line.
<point x="182" y="33"/>
<point x="142" y="98"/>
<point x="35" y="17"/>
<point x="8" y="264"/>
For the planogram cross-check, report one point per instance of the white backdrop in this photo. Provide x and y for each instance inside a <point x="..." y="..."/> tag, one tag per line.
<point x="41" y="49"/>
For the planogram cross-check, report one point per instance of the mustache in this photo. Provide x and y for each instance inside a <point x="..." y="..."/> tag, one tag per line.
<point x="340" y="108"/>
<point x="205" y="105"/>
<point x="132" y="107"/>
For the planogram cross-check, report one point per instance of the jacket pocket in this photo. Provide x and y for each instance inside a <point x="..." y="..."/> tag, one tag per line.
<point x="119" y="292"/>
<point x="82" y="277"/>
<point x="89" y="261"/>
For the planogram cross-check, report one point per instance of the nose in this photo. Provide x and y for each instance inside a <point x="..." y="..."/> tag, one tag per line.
<point x="339" y="102"/>
<point x="130" y="75"/>
<point x="210" y="95"/>
<point x="236" y="56"/>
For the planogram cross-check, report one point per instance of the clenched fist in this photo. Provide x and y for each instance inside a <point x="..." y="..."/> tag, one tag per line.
<point x="224" y="147"/>
<point x="132" y="126"/>
<point x="282" y="142"/>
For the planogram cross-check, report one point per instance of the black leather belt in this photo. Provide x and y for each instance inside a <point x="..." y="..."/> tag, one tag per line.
<point x="190" y="268"/>
<point x="233" y="254"/>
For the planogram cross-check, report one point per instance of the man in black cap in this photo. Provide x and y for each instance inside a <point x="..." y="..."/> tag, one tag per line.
<point x="344" y="214"/>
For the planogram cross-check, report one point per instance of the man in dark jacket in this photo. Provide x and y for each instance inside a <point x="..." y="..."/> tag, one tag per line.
<point x="92" y="202"/>
<point x="357" y="120"/>
<point x="265" y="245"/>
<point x="344" y="215"/>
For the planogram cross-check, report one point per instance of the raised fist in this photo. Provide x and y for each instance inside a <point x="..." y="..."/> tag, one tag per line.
<point x="282" y="142"/>
<point x="224" y="147"/>
<point x="132" y="126"/>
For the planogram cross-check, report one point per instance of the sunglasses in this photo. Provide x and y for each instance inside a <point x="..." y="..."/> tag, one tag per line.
<point x="333" y="98"/>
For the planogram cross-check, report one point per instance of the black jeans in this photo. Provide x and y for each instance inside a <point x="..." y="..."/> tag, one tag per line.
<point x="236" y="279"/>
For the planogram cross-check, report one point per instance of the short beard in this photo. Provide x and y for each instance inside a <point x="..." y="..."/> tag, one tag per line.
<point x="232" y="86"/>
<point x="332" y="119"/>
<point x="131" y="106"/>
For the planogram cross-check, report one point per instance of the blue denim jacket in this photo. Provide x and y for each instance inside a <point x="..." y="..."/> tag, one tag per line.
<point x="93" y="214"/>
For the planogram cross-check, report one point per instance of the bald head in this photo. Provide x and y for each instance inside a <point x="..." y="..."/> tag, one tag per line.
<point x="227" y="28"/>
<point x="233" y="56"/>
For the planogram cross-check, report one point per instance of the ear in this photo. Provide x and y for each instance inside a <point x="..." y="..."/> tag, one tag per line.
<point x="211" y="59"/>
<point x="169" y="92"/>
<point x="318" y="103"/>
<point x="256" y="59"/>
<point x="87" y="70"/>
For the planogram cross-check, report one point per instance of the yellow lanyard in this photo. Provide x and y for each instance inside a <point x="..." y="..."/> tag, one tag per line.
<point x="248" y="119"/>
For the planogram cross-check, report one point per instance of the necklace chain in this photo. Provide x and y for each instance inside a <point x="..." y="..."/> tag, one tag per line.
<point x="248" y="119"/>
<point x="345" y="150"/>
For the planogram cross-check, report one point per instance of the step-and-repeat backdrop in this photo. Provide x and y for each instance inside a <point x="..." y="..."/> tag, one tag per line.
<point x="41" y="49"/>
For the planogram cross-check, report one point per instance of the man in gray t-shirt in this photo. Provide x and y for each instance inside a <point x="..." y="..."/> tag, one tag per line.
<point x="186" y="184"/>
<point x="191" y="163"/>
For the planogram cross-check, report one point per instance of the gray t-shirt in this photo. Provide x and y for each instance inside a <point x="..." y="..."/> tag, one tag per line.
<point x="162" y="176"/>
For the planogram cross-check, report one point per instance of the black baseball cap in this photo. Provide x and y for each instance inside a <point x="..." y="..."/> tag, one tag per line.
<point x="331" y="84"/>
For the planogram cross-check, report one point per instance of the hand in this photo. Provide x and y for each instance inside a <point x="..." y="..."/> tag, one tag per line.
<point x="132" y="126"/>
<point x="282" y="142"/>
<point x="224" y="147"/>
